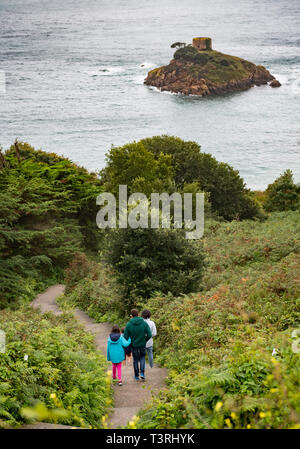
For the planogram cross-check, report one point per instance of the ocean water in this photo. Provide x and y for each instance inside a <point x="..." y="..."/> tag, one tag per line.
<point x="74" y="72"/>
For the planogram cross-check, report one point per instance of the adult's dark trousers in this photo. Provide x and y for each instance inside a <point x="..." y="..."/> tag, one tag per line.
<point x="138" y="355"/>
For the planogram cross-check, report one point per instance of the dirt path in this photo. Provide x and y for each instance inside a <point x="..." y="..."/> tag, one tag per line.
<point x="133" y="394"/>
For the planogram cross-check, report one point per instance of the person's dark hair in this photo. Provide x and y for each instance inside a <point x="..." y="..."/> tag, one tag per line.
<point x="134" y="312"/>
<point x="116" y="329"/>
<point x="123" y="330"/>
<point x="146" y="314"/>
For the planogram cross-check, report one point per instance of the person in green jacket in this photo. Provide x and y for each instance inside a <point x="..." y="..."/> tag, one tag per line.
<point x="138" y="330"/>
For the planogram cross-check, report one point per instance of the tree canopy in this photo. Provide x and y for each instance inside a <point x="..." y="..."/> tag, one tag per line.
<point x="166" y="163"/>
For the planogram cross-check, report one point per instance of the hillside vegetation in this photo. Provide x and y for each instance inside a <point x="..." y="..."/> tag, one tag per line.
<point x="225" y="305"/>
<point x="214" y="65"/>
<point x="47" y="213"/>
<point x="218" y="343"/>
<point x="63" y="379"/>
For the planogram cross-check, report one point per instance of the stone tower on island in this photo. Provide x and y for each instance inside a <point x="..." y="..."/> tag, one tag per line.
<point x="202" y="43"/>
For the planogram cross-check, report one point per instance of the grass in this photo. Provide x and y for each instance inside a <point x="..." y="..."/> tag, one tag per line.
<point x="222" y="68"/>
<point x="63" y="380"/>
<point x="218" y="343"/>
<point x="214" y="66"/>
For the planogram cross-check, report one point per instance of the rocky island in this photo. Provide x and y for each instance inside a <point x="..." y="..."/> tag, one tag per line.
<point x="197" y="69"/>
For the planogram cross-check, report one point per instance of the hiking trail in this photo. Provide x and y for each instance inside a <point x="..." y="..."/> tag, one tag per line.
<point x="129" y="398"/>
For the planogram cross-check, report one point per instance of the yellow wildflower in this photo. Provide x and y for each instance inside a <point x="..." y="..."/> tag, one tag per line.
<point x="218" y="406"/>
<point x="262" y="415"/>
<point x="228" y="422"/>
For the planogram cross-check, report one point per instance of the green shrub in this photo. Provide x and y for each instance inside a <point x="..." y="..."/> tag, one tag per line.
<point x="97" y="293"/>
<point x="283" y="194"/>
<point x="165" y="163"/>
<point x="63" y="371"/>
<point x="227" y="193"/>
<point x="79" y="268"/>
<point x="218" y="344"/>
<point x="249" y="390"/>
<point x="47" y="213"/>
<point x="149" y="260"/>
<point x="135" y="166"/>
<point x="191" y="54"/>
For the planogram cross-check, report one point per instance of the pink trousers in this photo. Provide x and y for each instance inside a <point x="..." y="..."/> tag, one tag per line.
<point x="117" y="367"/>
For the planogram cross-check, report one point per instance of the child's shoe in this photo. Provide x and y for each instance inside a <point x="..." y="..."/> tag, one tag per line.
<point x="142" y="376"/>
<point x="120" y="383"/>
<point x="136" y="378"/>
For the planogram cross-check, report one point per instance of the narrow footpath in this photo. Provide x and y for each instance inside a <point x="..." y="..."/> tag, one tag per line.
<point x="129" y="398"/>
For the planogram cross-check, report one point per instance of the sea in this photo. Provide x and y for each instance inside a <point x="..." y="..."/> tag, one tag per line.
<point x="72" y="71"/>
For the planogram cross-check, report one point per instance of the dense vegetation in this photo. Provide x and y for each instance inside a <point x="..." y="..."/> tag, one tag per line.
<point x="165" y="164"/>
<point x="149" y="260"/>
<point x="221" y="304"/>
<point x="47" y="213"/>
<point x="218" y="343"/>
<point x="214" y="65"/>
<point x="64" y="378"/>
<point x="283" y="194"/>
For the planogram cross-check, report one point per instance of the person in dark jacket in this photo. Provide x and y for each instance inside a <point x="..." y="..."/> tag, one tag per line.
<point x="139" y="332"/>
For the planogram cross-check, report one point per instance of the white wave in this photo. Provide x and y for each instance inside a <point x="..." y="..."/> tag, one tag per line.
<point x="282" y="78"/>
<point x="156" y="89"/>
<point x="291" y="80"/>
<point x="138" y="79"/>
<point x="167" y="92"/>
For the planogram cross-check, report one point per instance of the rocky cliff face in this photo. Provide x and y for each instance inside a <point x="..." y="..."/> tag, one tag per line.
<point x="209" y="73"/>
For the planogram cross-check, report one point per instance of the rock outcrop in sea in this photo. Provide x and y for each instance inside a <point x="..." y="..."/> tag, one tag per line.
<point x="198" y="70"/>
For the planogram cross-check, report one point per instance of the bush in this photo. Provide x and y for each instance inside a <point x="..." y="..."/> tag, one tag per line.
<point x="191" y="54"/>
<point x="79" y="268"/>
<point x="135" y="166"/>
<point x="283" y="194"/>
<point x="149" y="260"/>
<point x="228" y="196"/>
<point x="97" y="293"/>
<point x="218" y="344"/>
<point x="166" y="163"/>
<point x="185" y="156"/>
<point x="47" y="213"/>
<point x="64" y="378"/>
